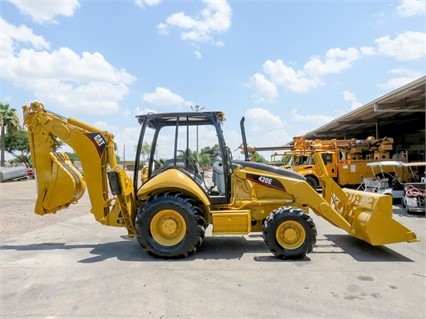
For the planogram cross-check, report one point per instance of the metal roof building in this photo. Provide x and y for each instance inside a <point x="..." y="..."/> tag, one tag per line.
<point x="399" y="114"/>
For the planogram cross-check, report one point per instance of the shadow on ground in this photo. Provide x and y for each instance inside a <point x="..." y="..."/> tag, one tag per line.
<point x="358" y="249"/>
<point x="223" y="248"/>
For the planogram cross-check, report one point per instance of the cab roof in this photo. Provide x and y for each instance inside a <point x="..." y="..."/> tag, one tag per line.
<point x="184" y="118"/>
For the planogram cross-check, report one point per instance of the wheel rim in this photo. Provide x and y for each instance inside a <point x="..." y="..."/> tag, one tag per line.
<point x="168" y="227"/>
<point x="290" y="234"/>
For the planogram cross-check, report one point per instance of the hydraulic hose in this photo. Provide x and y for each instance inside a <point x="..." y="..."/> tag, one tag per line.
<point x="412" y="191"/>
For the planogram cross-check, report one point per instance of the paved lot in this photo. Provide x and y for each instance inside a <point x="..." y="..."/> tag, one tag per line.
<point x="69" y="266"/>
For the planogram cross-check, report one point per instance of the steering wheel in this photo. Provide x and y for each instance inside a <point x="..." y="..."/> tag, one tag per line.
<point x="158" y="164"/>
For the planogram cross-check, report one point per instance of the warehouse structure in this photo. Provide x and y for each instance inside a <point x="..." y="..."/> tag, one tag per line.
<point x="399" y="114"/>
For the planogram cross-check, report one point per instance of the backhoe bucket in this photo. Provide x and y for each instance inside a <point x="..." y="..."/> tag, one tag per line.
<point x="60" y="186"/>
<point x="371" y="219"/>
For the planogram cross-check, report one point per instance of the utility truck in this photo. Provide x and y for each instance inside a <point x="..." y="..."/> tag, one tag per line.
<point x="345" y="160"/>
<point x="169" y="202"/>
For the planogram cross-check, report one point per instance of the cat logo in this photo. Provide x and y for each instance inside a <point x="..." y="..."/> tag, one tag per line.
<point x="98" y="140"/>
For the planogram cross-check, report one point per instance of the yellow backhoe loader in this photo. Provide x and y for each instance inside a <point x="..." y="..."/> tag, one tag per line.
<point x="172" y="200"/>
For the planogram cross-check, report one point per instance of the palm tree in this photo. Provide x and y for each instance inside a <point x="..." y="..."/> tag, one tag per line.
<point x="9" y="121"/>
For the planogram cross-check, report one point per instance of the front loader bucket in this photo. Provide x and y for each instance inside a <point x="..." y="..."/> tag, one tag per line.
<point x="371" y="219"/>
<point x="367" y="216"/>
<point x="58" y="187"/>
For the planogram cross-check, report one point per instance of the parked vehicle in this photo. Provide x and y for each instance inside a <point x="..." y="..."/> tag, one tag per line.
<point x="18" y="172"/>
<point x="12" y="173"/>
<point x="345" y="160"/>
<point x="414" y="192"/>
<point x="384" y="181"/>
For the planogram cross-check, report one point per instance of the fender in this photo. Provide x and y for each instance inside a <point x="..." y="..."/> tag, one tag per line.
<point x="173" y="179"/>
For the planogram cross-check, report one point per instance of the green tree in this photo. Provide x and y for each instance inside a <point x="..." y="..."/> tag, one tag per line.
<point x="17" y="144"/>
<point x="207" y="153"/>
<point x="205" y="150"/>
<point x="145" y="150"/>
<point x="117" y="157"/>
<point x="72" y="156"/>
<point x="205" y="159"/>
<point x="256" y="157"/>
<point x="9" y="122"/>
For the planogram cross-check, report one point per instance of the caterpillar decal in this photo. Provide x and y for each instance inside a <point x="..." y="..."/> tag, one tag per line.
<point x="98" y="140"/>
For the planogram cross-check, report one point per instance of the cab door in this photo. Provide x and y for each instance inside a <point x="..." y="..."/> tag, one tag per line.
<point x="330" y="161"/>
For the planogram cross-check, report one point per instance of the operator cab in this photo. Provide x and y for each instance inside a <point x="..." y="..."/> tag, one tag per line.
<point x="191" y="142"/>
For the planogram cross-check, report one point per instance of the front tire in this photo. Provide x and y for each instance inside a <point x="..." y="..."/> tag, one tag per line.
<point x="170" y="225"/>
<point x="289" y="233"/>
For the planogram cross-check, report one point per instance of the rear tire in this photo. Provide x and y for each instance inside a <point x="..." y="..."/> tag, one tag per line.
<point x="170" y="225"/>
<point x="289" y="233"/>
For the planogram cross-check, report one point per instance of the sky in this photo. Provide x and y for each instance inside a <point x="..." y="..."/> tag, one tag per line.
<point x="288" y="67"/>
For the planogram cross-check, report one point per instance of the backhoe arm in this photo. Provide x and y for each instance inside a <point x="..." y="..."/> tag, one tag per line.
<point x="60" y="184"/>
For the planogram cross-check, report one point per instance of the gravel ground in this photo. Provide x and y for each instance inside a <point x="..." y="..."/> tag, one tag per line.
<point x="14" y="221"/>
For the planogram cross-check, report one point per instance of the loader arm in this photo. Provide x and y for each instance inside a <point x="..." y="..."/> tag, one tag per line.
<point x="364" y="215"/>
<point x="60" y="184"/>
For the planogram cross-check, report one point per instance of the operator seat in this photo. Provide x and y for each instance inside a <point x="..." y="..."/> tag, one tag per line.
<point x="218" y="177"/>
